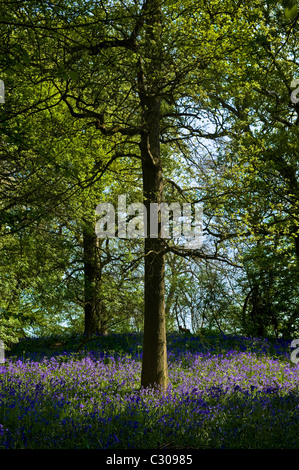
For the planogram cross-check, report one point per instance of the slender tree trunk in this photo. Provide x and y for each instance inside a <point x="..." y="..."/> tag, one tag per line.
<point x="169" y="300"/>
<point x="94" y="323"/>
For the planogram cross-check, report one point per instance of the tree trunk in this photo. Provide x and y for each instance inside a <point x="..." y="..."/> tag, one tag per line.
<point x="154" y="364"/>
<point x="94" y="323"/>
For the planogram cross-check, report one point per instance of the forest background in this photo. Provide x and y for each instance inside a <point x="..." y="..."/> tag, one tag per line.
<point x="160" y="100"/>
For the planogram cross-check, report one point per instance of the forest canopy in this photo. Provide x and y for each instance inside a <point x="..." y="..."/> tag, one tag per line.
<point x="160" y="101"/>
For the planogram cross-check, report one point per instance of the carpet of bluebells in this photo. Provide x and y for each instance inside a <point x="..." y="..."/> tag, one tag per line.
<point x="224" y="392"/>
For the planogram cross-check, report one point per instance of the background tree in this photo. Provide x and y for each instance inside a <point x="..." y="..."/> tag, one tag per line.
<point x="254" y="175"/>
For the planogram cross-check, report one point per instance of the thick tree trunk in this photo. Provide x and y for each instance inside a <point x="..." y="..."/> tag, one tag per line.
<point x="154" y="364"/>
<point x="94" y="321"/>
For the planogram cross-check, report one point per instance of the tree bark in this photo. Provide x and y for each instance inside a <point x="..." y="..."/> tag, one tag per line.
<point x="93" y="308"/>
<point x="154" y="364"/>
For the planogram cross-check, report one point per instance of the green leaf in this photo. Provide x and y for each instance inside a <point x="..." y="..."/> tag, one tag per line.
<point x="25" y="58"/>
<point x="73" y="75"/>
<point x="291" y="13"/>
